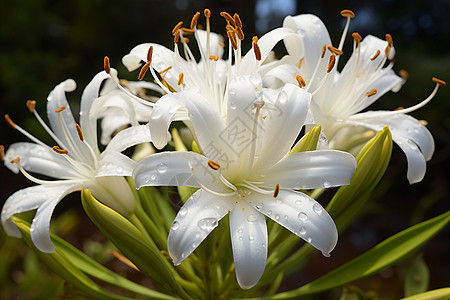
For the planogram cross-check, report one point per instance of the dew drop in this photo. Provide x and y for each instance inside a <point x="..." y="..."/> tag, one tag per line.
<point x="207" y="224"/>
<point x="240" y="231"/>
<point x="251" y="218"/>
<point x="232" y="105"/>
<point x="175" y="225"/>
<point x="259" y="206"/>
<point x="298" y="202"/>
<point x="326" y="184"/>
<point x="309" y="240"/>
<point x="183" y="255"/>
<point x="303" y="217"/>
<point x="194" y="245"/>
<point x="119" y="169"/>
<point x="251" y="238"/>
<point x="286" y="217"/>
<point x="317" y="208"/>
<point x="269" y="212"/>
<point x="277" y="217"/>
<point x="282" y="97"/>
<point x="263" y="246"/>
<point x="183" y="211"/>
<point x="240" y="238"/>
<point x="161" y="168"/>
<point x="197" y="235"/>
<point x="302" y="230"/>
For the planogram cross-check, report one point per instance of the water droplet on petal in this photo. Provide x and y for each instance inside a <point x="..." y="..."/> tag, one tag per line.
<point x="298" y="202"/>
<point x="263" y="246"/>
<point x="277" y="217"/>
<point x="286" y="217"/>
<point x="302" y="230"/>
<point x="326" y="254"/>
<point x="240" y="231"/>
<point x="232" y="105"/>
<point x="240" y="238"/>
<point x="259" y="206"/>
<point x="269" y="212"/>
<point x="251" y="238"/>
<point x="303" y="217"/>
<point x="282" y="97"/>
<point x="309" y="240"/>
<point x="175" y="225"/>
<point x="251" y="218"/>
<point x="197" y="235"/>
<point x="161" y="168"/>
<point x="119" y="169"/>
<point x="326" y="184"/>
<point x="317" y="208"/>
<point x="207" y="224"/>
<point x="183" y="211"/>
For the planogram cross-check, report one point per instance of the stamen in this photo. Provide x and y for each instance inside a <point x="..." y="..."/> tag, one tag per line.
<point x="58" y="110"/>
<point x="2" y="153"/>
<point x="387" y="50"/>
<point x="300" y="80"/>
<point x="214" y="57"/>
<point x="324" y="48"/>
<point x="106" y="65"/>
<point x="237" y="20"/>
<point x="207" y="13"/>
<point x="335" y="50"/>
<point x="389" y="40"/>
<point x="195" y="20"/>
<point x="227" y="17"/>
<point x="331" y="63"/>
<point x="276" y="191"/>
<point x="371" y="93"/>
<point x="439" y="81"/>
<point x="180" y="79"/>
<point x="16" y="160"/>
<point x="375" y="56"/>
<point x="31" y="105"/>
<point x="10" y="122"/>
<point x="356" y="37"/>
<point x="213" y="165"/>
<point x="232" y="38"/>
<point x="347" y="13"/>
<point x="176" y="38"/>
<point x="403" y="74"/>
<point x="59" y="150"/>
<point x="177" y="27"/>
<point x="256" y="48"/>
<point x="150" y="54"/>
<point x="80" y="133"/>
<point x="239" y="33"/>
<point x="300" y="62"/>
<point x="207" y="189"/>
<point x="165" y="70"/>
<point x="187" y="30"/>
<point x="144" y="70"/>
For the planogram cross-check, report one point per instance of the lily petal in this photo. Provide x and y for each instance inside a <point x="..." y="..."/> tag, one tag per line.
<point x="114" y="163"/>
<point x="300" y="214"/>
<point x="248" y="232"/>
<point x="195" y="220"/>
<point x="312" y="170"/>
<point x="129" y="137"/>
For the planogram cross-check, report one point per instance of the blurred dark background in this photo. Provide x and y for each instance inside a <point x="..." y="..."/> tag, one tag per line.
<point x="44" y="42"/>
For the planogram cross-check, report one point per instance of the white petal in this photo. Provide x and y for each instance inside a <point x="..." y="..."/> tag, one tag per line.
<point x="39" y="159"/>
<point x="215" y="42"/>
<point x="129" y="137"/>
<point x="113" y="191"/>
<point x="88" y="121"/>
<point x="42" y="197"/>
<point x="113" y="163"/>
<point x="311" y="170"/>
<point x="162" y="116"/>
<point x="248" y="232"/>
<point x="195" y="220"/>
<point x="292" y="106"/>
<point x="301" y="215"/>
<point x="177" y="169"/>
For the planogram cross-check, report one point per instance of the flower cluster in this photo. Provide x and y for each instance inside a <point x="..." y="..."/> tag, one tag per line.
<point x="245" y="114"/>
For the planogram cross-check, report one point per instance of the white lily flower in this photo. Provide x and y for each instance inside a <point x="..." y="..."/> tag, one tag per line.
<point x="75" y="162"/>
<point x="340" y="97"/>
<point x="210" y="76"/>
<point x="246" y="171"/>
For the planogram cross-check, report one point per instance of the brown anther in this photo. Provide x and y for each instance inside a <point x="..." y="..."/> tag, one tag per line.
<point x="255" y="39"/>
<point x="403" y="74"/>
<point x="387" y="50"/>
<point x="371" y="93"/>
<point x="229" y="27"/>
<point x="439" y="81"/>
<point x="10" y="122"/>
<point x="331" y="63"/>
<point x="187" y="30"/>
<point x="207" y="13"/>
<point x="106" y="64"/>
<point x="356" y="37"/>
<point x="144" y="70"/>
<point x="300" y="80"/>
<point x="31" y="105"/>
<point x="2" y="153"/>
<point x="165" y="70"/>
<point x="399" y="108"/>
<point x="185" y="40"/>
<point x="180" y="79"/>
<point x="239" y="33"/>
<point x="324" y="48"/>
<point x="213" y="165"/>
<point x="58" y="110"/>
<point x="177" y="27"/>
<point x="214" y="57"/>
<point x="347" y="13"/>
<point x="227" y="17"/>
<point x="375" y="55"/>
<point x="257" y="51"/>
<point x="335" y="50"/>
<point x="150" y="54"/>
<point x="300" y="62"/>
<point x="194" y="20"/>
<point x="59" y="150"/>
<point x="389" y="40"/>
<point x="16" y="160"/>
<point x="124" y="83"/>
<point x="237" y="20"/>
<point x="276" y="191"/>
<point x="232" y="38"/>
<point x="80" y="133"/>
<point x="176" y="37"/>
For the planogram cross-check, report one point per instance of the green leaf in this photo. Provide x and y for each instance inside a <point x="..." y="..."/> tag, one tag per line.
<point x="380" y="257"/>
<point x="308" y="142"/>
<point x="417" y="277"/>
<point x="439" y="294"/>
